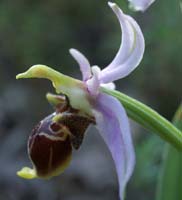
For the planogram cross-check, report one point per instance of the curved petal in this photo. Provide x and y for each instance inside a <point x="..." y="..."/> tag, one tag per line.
<point x="83" y="63"/>
<point x="135" y="56"/>
<point x="127" y="38"/>
<point x="140" y="5"/>
<point x="113" y="125"/>
<point x="93" y="83"/>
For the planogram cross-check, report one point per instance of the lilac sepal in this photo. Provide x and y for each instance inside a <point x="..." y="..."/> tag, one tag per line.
<point x="140" y="5"/>
<point x="83" y="63"/>
<point x="131" y="51"/>
<point x="127" y="37"/>
<point x="113" y="125"/>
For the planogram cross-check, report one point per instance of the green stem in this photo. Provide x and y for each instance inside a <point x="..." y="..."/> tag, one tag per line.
<point x="148" y="118"/>
<point x="170" y="176"/>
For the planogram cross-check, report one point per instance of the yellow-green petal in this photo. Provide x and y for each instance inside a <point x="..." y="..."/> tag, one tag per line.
<point x="27" y="173"/>
<point x="73" y="88"/>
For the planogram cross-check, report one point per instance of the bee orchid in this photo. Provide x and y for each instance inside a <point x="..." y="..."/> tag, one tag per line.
<point x="140" y="5"/>
<point x="84" y="103"/>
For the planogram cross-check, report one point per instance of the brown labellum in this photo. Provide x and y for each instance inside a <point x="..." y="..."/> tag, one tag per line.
<point x="77" y="125"/>
<point x="49" y="148"/>
<point x="50" y="144"/>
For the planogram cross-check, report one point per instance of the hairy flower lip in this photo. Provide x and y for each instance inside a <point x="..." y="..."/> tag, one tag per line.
<point x="55" y="137"/>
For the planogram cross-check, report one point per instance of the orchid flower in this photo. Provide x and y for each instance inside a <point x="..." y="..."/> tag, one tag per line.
<point x="140" y="5"/>
<point x="85" y="103"/>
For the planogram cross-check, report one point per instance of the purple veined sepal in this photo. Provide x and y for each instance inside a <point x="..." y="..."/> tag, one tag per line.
<point x="52" y="140"/>
<point x="112" y="123"/>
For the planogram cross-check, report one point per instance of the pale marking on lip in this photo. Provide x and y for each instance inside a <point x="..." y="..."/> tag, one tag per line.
<point x="54" y="138"/>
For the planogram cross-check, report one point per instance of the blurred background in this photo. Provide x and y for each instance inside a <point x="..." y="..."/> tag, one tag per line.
<point x="33" y="32"/>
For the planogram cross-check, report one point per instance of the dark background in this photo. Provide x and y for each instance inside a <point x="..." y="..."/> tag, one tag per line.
<point x="33" y="32"/>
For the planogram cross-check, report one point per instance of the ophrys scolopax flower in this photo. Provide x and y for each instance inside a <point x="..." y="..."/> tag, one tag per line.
<point x="83" y="103"/>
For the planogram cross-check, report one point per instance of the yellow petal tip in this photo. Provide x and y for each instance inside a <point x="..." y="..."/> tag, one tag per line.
<point x="36" y="71"/>
<point x="27" y="173"/>
<point x="22" y="75"/>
